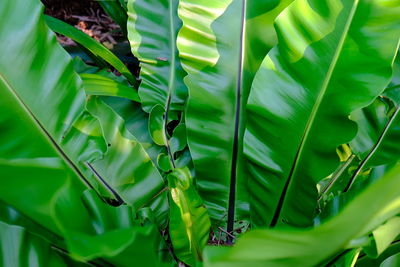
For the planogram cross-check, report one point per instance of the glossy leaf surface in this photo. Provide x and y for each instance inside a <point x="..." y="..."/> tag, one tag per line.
<point x="220" y="52"/>
<point x="312" y="247"/>
<point x="300" y="100"/>
<point x="95" y="84"/>
<point x="189" y="224"/>
<point x="92" y="45"/>
<point x="20" y="248"/>
<point x="392" y="261"/>
<point x="376" y="142"/>
<point x="152" y="27"/>
<point x="127" y="168"/>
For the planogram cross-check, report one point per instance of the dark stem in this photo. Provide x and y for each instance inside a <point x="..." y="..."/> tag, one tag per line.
<point x="46" y="133"/>
<point x="373" y="150"/>
<point x="170" y="154"/>
<point x="336" y="176"/>
<point x="232" y="189"/>
<point x="119" y="200"/>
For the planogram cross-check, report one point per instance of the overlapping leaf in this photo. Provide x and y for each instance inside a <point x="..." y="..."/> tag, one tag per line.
<point x="189" y="221"/>
<point x="300" y="100"/>
<point x="313" y="247"/>
<point x="221" y="45"/>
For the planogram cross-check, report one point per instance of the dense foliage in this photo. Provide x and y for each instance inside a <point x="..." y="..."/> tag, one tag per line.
<point x="258" y="132"/>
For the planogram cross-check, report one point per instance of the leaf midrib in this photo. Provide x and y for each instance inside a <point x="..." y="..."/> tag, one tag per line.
<point x="239" y="83"/>
<point x="314" y="111"/>
<point x="373" y="150"/>
<point x="171" y="81"/>
<point x="41" y="128"/>
<point x="55" y="145"/>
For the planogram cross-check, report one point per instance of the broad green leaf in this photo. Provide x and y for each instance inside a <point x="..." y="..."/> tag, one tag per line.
<point x="136" y="121"/>
<point x="395" y="83"/>
<point x="90" y="44"/>
<point x="312" y="247"/>
<point x="392" y="261"/>
<point x="95" y="84"/>
<point x="189" y="224"/>
<point x="128" y="179"/>
<point x="45" y="191"/>
<point x="371" y="122"/>
<point x="127" y="168"/>
<point x="383" y="237"/>
<point x="152" y="27"/>
<point x="54" y="140"/>
<point x="152" y="30"/>
<point x="300" y="99"/>
<point x="178" y="140"/>
<point x="221" y="45"/>
<point x="20" y="248"/>
<point x="157" y="125"/>
<point x="164" y="163"/>
<point x="370" y="262"/>
<point x="40" y="88"/>
<point x="376" y="142"/>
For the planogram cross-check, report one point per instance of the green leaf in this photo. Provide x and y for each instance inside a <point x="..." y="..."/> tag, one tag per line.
<point x="300" y="99"/>
<point x="164" y="163"/>
<point x="348" y="259"/>
<point x="95" y="84"/>
<point x="189" y="224"/>
<point x="370" y="262"/>
<point x="392" y="261"/>
<point x="156" y="125"/>
<point x="127" y="168"/>
<point x="136" y="121"/>
<point x="92" y="45"/>
<point x="371" y="122"/>
<point x="178" y="140"/>
<point x="40" y="88"/>
<point x="114" y="9"/>
<point x="152" y="30"/>
<point x="383" y="237"/>
<point x="312" y="247"/>
<point x="377" y="140"/>
<point x="153" y="26"/>
<point x="54" y="141"/>
<point x="18" y="247"/>
<point x="221" y="45"/>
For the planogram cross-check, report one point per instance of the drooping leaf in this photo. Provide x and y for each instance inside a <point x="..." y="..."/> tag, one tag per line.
<point x="95" y="84"/>
<point x="52" y="140"/>
<point x="189" y="224"/>
<point x="300" y="99"/>
<point x="90" y="44"/>
<point x="127" y="168"/>
<point x="312" y="247"/>
<point x="37" y="73"/>
<point x="220" y="51"/>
